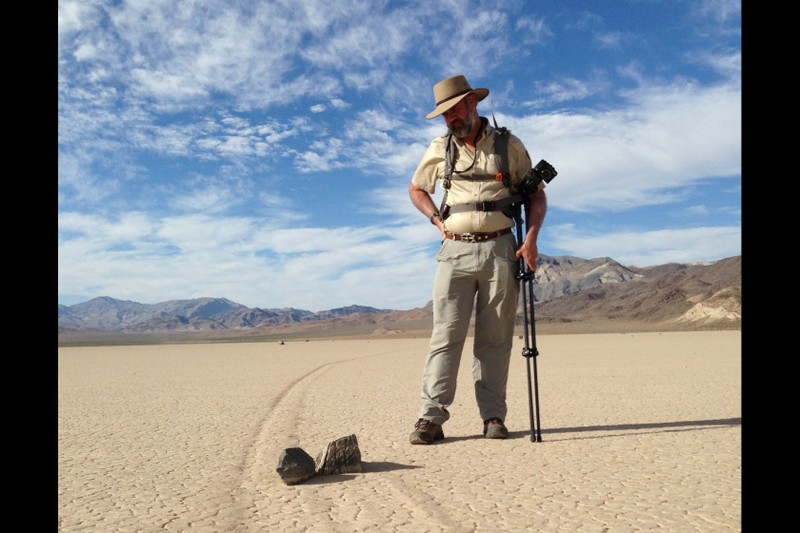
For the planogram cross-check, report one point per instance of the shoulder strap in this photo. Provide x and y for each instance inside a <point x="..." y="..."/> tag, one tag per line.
<point x="448" y="173"/>
<point x="449" y="157"/>
<point x="501" y="150"/>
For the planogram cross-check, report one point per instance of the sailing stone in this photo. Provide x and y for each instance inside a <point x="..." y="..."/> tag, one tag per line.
<point x="342" y="456"/>
<point x="295" y="466"/>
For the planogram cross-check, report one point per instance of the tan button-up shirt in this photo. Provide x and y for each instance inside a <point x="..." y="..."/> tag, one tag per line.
<point x="466" y="191"/>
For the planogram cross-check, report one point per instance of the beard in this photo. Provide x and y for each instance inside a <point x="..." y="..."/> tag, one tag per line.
<point x="461" y="128"/>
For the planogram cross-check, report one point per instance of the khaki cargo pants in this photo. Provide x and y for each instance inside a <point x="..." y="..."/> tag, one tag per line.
<point x="480" y="275"/>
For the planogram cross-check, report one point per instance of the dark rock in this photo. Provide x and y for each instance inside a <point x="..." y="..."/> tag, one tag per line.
<point x="342" y="456"/>
<point x="295" y="466"/>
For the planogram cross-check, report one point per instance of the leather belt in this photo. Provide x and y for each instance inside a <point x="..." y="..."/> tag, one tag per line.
<point x="476" y="237"/>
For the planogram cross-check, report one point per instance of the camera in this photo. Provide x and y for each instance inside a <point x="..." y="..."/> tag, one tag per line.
<point x="542" y="172"/>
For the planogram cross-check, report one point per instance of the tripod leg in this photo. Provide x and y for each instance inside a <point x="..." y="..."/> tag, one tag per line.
<point x="531" y="409"/>
<point x="529" y="350"/>
<point x="526" y="352"/>
<point x="535" y="354"/>
<point x="536" y="396"/>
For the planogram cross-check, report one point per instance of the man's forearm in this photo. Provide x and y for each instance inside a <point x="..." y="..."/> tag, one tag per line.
<point x="537" y="209"/>
<point x="422" y="201"/>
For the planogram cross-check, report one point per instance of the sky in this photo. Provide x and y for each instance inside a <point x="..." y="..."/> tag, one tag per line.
<point x="262" y="151"/>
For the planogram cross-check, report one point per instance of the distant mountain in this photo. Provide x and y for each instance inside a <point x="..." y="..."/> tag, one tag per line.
<point x="559" y="276"/>
<point x="678" y="296"/>
<point x="201" y="314"/>
<point x="568" y="290"/>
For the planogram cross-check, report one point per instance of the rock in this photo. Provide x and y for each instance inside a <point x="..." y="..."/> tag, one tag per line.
<point x="295" y="466"/>
<point x="342" y="456"/>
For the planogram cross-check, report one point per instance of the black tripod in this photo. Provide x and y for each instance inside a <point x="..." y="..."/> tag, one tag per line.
<point x="533" y="181"/>
<point x="529" y="351"/>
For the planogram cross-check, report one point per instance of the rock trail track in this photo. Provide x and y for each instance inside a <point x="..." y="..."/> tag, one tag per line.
<point x="640" y="431"/>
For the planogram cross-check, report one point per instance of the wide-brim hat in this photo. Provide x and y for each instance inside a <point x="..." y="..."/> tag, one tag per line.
<point x="451" y="91"/>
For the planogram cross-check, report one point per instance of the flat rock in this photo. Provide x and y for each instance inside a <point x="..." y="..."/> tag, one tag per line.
<point x="341" y="456"/>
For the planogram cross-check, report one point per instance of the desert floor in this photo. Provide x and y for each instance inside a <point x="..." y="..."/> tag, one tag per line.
<point x="640" y="431"/>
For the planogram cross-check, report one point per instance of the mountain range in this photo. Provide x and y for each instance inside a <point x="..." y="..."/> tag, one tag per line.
<point x="571" y="295"/>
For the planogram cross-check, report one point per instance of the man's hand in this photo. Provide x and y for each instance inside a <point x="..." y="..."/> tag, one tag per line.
<point x="440" y="225"/>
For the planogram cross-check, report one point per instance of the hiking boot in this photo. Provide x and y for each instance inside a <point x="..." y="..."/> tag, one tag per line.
<point x="494" y="429"/>
<point x="425" y="432"/>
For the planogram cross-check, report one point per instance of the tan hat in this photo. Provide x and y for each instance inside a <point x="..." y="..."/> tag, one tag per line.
<point x="451" y="91"/>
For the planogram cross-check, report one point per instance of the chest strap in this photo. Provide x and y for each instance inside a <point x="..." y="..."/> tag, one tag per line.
<point x="497" y="205"/>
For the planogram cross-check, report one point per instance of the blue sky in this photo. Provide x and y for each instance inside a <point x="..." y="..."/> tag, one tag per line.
<point x="262" y="151"/>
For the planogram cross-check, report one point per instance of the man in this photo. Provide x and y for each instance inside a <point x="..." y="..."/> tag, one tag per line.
<point x="478" y="259"/>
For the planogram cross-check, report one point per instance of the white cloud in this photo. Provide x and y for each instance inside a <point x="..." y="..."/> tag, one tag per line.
<point x="647" y="248"/>
<point x="243" y="259"/>
<point x="667" y="138"/>
<point x="191" y="136"/>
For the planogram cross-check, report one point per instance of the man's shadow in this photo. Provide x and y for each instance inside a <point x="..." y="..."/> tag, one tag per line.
<point x="570" y="433"/>
<point x="615" y="430"/>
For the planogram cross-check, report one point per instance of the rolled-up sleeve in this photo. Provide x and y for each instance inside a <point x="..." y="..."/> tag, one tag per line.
<point x="431" y="167"/>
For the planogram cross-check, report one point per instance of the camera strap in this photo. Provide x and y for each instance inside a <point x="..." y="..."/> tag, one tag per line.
<point x="448" y="173"/>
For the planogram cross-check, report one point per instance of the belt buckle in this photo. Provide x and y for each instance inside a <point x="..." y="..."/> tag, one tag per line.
<point x="468" y="237"/>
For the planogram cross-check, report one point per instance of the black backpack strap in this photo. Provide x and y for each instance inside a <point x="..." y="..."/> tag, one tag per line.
<point x="448" y="174"/>
<point x="449" y="163"/>
<point x="497" y="205"/>
<point x="501" y="151"/>
<point x="510" y="206"/>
